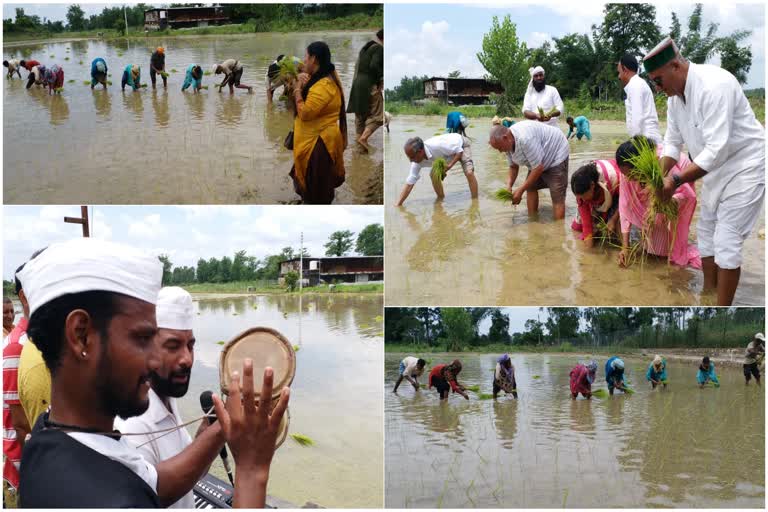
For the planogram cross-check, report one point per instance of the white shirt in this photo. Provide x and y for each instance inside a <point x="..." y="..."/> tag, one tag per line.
<point x="443" y="146"/>
<point x="411" y="370"/>
<point x="546" y="99"/>
<point x="13" y="65"/>
<point x="537" y="143"/>
<point x="640" y="105"/>
<point x="120" y="451"/>
<point x="721" y="132"/>
<point x="158" y="417"/>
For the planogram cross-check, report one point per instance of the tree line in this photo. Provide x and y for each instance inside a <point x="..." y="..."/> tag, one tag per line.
<point x="583" y="65"/>
<point x="257" y="15"/>
<point x="459" y="328"/>
<point x="243" y="267"/>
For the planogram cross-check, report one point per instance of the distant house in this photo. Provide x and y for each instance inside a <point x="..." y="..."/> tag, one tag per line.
<point x="183" y="17"/>
<point x="461" y="91"/>
<point x="343" y="269"/>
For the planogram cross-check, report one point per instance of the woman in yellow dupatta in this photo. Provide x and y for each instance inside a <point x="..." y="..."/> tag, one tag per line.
<point x="319" y="129"/>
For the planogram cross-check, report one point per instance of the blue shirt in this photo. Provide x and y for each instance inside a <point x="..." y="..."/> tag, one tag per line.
<point x="611" y="373"/>
<point x="703" y="376"/>
<point x="652" y="374"/>
<point x="582" y="126"/>
<point x="453" y="122"/>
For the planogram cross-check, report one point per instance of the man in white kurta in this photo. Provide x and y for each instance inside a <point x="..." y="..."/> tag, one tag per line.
<point x="545" y="151"/>
<point x="640" y="105"/>
<point x="176" y="341"/>
<point x="453" y="147"/>
<point x="708" y="112"/>
<point x="539" y="95"/>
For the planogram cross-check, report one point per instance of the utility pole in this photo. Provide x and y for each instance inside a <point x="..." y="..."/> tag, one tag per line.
<point x="301" y="263"/>
<point x="125" y="15"/>
<point x="83" y="220"/>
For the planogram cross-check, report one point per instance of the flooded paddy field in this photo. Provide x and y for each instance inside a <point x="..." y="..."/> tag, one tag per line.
<point x="492" y="253"/>
<point x="681" y="447"/>
<point x="163" y="146"/>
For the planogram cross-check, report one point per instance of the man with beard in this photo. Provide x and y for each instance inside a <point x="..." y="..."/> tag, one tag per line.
<point x="9" y="314"/>
<point x="177" y="354"/>
<point x="708" y="113"/>
<point x="540" y="97"/>
<point x="92" y="307"/>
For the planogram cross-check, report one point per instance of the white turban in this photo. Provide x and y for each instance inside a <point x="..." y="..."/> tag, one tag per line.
<point x="174" y="309"/>
<point x="617" y="364"/>
<point x="88" y="264"/>
<point x="533" y="71"/>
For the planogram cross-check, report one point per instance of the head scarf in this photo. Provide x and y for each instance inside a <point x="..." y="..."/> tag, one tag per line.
<point x="160" y="50"/>
<point x="617" y="364"/>
<point x="135" y="71"/>
<point x="533" y="71"/>
<point x="657" y="360"/>
<point x="507" y="371"/>
<point x="759" y="336"/>
<point x="592" y="368"/>
<point x="455" y="366"/>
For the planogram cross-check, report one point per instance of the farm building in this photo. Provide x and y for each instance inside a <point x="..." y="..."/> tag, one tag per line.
<point x="343" y="269"/>
<point x="183" y="17"/>
<point x="461" y="91"/>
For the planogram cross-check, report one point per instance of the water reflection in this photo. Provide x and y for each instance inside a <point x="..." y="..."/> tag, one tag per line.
<point x="102" y="103"/>
<point x="133" y="102"/>
<point x="505" y="419"/>
<point x="160" y="107"/>
<point x="229" y="110"/>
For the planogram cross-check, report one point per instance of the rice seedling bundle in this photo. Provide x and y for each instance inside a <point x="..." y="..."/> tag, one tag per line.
<point x="220" y="342"/>
<point x="86" y="82"/>
<point x="164" y="74"/>
<point x="287" y="70"/>
<point x="475" y="388"/>
<point x="173" y="70"/>
<point x="438" y="169"/>
<point x="59" y="89"/>
<point x="143" y="85"/>
<point x="71" y="81"/>
<point x="81" y="63"/>
<point x="484" y="396"/>
<point x="206" y="73"/>
<point x="109" y="82"/>
<point x="296" y="348"/>
<point x="204" y="87"/>
<point x="536" y="377"/>
<point x="66" y="58"/>
<point x="600" y="393"/>
<point x="52" y="56"/>
<point x="303" y="440"/>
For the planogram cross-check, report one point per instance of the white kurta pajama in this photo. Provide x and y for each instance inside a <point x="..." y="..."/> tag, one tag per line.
<point x="725" y="139"/>
<point x="547" y="99"/>
<point x="442" y="146"/>
<point x="642" y="118"/>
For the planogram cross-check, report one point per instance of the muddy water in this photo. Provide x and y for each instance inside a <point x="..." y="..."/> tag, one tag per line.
<point x="335" y="398"/>
<point x="164" y="146"/>
<point x="683" y="447"/>
<point x="493" y="253"/>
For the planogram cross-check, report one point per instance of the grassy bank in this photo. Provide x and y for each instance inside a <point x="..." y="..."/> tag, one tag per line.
<point x="260" y="287"/>
<point x="305" y="24"/>
<point x="596" y="111"/>
<point x="500" y="348"/>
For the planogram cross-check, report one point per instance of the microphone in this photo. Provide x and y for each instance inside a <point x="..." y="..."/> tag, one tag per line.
<point x="206" y="403"/>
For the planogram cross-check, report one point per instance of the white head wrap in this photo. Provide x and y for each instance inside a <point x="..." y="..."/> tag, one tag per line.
<point x="88" y="264"/>
<point x="174" y="309"/>
<point x="533" y="71"/>
<point x="657" y="361"/>
<point x="618" y="364"/>
<point x="759" y="336"/>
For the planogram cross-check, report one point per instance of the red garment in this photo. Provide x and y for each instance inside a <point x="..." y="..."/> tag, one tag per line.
<point x="11" y="446"/>
<point x="29" y="64"/>
<point x="579" y="380"/>
<point x="586" y="207"/>
<point x="437" y="371"/>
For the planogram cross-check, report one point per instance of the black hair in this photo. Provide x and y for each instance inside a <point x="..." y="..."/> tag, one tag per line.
<point x="16" y="278"/>
<point x="705" y="360"/>
<point x="584" y="177"/>
<point x="46" y="327"/>
<point x="197" y="72"/>
<point x="6" y="300"/>
<point x="421" y="362"/>
<point x="627" y="150"/>
<point x="380" y="34"/>
<point x="569" y="119"/>
<point x="279" y="57"/>
<point x="629" y="61"/>
<point x="5" y="63"/>
<point x="23" y="63"/>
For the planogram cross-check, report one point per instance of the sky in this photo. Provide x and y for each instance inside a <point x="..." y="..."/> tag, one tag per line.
<point x="427" y="39"/>
<point x="517" y="318"/>
<point x="185" y="233"/>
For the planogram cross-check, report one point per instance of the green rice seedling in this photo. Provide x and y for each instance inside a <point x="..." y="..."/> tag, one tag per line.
<point x="71" y="81"/>
<point x="234" y="314"/>
<point x="536" y="377"/>
<point x="437" y="133"/>
<point x="143" y="86"/>
<point x="552" y="111"/>
<point x="475" y="388"/>
<point x="541" y="112"/>
<point x="207" y="73"/>
<point x="109" y="82"/>
<point x="409" y="131"/>
<point x="288" y="70"/>
<point x="173" y="70"/>
<point x="59" y="89"/>
<point x="303" y="440"/>
<point x="600" y="393"/>
<point x="220" y="342"/>
<point x="629" y="391"/>
<point x="285" y="315"/>
<point x="86" y="82"/>
<point x="346" y="43"/>
<point x="52" y="56"/>
<point x="503" y="194"/>
<point x="484" y="396"/>
<point x="296" y="348"/>
<point x="438" y="169"/>
<point x="164" y="74"/>
<point x="66" y="58"/>
<point x="379" y="318"/>
<point x="81" y="63"/>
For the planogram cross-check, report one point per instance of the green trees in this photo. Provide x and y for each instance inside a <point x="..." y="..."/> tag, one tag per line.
<point x="370" y="241"/>
<point x="75" y="18"/>
<point x="505" y="58"/>
<point x="459" y="330"/>
<point x="339" y="243"/>
<point x="410" y="88"/>
<point x="291" y="280"/>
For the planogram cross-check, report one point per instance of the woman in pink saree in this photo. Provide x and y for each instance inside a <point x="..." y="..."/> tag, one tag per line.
<point x="634" y="201"/>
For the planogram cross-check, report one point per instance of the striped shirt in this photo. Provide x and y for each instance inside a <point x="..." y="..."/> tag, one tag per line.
<point x="11" y="446"/>
<point x="537" y="143"/>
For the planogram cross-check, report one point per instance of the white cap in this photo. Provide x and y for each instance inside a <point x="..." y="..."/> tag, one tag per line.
<point x="88" y="264"/>
<point x="174" y="309"/>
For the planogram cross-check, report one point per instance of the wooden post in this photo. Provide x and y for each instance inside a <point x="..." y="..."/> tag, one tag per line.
<point x="83" y="220"/>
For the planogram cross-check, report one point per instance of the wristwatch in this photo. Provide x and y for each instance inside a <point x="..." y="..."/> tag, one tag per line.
<point x="677" y="180"/>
